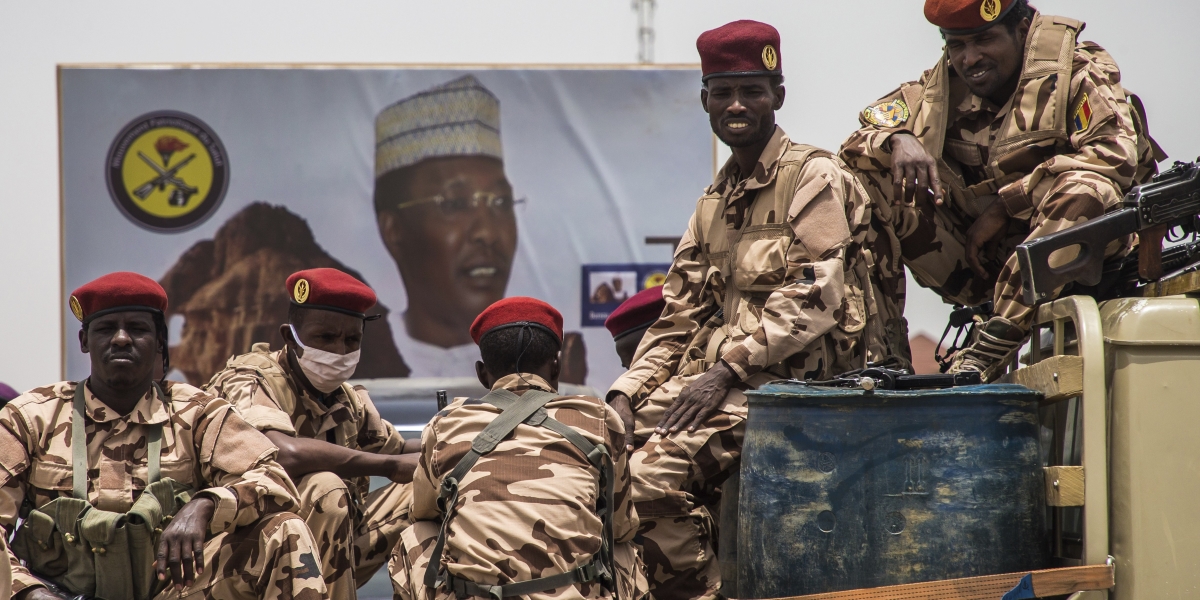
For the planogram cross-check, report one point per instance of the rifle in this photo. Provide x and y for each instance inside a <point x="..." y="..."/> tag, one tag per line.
<point x="1151" y="210"/>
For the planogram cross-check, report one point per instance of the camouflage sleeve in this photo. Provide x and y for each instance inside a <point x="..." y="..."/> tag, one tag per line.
<point x="867" y="149"/>
<point x="238" y="463"/>
<point x="14" y="460"/>
<point x="625" y="519"/>
<point x="425" y="482"/>
<point x="1102" y="134"/>
<point x="376" y="434"/>
<point x="687" y="297"/>
<point x="246" y="391"/>
<point x="804" y="309"/>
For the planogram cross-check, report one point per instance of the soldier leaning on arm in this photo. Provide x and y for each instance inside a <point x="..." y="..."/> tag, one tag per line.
<point x="770" y="280"/>
<point x="331" y="438"/>
<point x="523" y="492"/>
<point x="135" y="488"/>
<point x="1016" y="133"/>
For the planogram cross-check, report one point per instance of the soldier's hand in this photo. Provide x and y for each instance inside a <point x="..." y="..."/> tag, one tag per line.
<point x="989" y="227"/>
<point x="180" y="554"/>
<point x="914" y="170"/>
<point x="624" y="409"/>
<point x="403" y="467"/>
<point x="698" y="400"/>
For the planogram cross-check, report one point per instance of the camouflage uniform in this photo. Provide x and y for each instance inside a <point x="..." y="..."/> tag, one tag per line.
<point x="355" y="530"/>
<point x="256" y="550"/>
<point x="1054" y="155"/>
<point x="526" y="510"/>
<point x="782" y="251"/>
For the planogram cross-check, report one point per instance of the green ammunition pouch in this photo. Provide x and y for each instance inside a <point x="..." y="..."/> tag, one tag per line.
<point x="529" y="409"/>
<point x="100" y="553"/>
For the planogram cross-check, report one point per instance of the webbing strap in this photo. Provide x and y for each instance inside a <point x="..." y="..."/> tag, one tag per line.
<point x="589" y="572"/>
<point x="79" y="445"/>
<point x="79" y="458"/>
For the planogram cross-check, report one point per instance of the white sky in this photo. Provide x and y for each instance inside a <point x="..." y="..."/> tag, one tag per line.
<point x="838" y="56"/>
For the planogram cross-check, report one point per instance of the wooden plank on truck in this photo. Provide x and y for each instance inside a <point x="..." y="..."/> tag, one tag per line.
<point x="1050" y="582"/>
<point x="1058" y="378"/>
<point x="1064" y="486"/>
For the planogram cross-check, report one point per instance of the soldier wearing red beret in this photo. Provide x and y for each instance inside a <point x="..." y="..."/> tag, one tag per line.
<point x="1017" y="132"/>
<point x="118" y="483"/>
<point x="632" y="318"/>
<point x="330" y="436"/>
<point x="545" y="502"/>
<point x="770" y="280"/>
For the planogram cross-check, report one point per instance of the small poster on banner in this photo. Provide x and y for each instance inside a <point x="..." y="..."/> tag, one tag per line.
<point x="605" y="287"/>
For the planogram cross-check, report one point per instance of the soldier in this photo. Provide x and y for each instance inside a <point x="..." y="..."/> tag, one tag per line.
<point x="331" y="438"/>
<point x="525" y="492"/>
<point x="1016" y="133"/>
<point x="770" y="280"/>
<point x="629" y="322"/>
<point x="120" y="479"/>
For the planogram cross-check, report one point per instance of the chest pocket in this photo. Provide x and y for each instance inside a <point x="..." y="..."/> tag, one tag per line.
<point x="760" y="257"/>
<point x="50" y="476"/>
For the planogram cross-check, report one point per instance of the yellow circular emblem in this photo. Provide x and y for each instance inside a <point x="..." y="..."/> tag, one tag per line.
<point x="889" y="113"/>
<point x="76" y="309"/>
<point x="167" y="171"/>
<point x="989" y="10"/>
<point x="654" y="279"/>
<point x="300" y="292"/>
<point x="770" y="57"/>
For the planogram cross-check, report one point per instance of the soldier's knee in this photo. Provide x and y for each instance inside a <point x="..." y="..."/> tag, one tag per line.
<point x="324" y="492"/>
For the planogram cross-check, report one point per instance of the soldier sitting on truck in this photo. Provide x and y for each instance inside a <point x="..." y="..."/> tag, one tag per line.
<point x="523" y="492"/>
<point x="330" y="435"/>
<point x="134" y="488"/>
<point x="1017" y="132"/>
<point x="771" y="280"/>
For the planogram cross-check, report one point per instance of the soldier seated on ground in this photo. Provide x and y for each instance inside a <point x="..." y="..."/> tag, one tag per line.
<point x="129" y="487"/>
<point x="331" y="438"/>
<point x="523" y="492"/>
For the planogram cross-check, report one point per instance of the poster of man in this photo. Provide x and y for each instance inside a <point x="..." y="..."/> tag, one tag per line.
<point x="445" y="189"/>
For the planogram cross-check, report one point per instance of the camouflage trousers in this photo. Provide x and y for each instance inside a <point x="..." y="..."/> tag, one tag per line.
<point x="411" y="560"/>
<point x="273" y="559"/>
<point x="354" y="541"/>
<point x="933" y="239"/>
<point x="676" y="485"/>
<point x="887" y="336"/>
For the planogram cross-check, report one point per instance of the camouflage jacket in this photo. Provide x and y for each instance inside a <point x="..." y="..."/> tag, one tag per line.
<point x="352" y="422"/>
<point x="205" y="444"/>
<point x="1044" y="130"/>
<point x="527" y="509"/>
<point x="787" y="268"/>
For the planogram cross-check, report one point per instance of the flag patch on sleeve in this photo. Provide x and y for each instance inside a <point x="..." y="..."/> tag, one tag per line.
<point x="1083" y="115"/>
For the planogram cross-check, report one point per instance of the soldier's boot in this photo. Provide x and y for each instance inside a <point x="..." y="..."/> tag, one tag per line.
<point x="992" y="348"/>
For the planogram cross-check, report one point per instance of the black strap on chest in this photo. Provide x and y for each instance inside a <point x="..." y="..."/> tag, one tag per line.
<point x="528" y="408"/>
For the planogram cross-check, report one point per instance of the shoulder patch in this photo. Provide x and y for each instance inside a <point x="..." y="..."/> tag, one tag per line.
<point x="1083" y="115"/>
<point x="889" y="113"/>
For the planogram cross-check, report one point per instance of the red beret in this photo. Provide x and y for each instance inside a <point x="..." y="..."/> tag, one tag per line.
<point x="330" y="289"/>
<point x="740" y="48"/>
<point x="518" y="310"/>
<point x="641" y="310"/>
<point x="962" y="17"/>
<point x="117" y="292"/>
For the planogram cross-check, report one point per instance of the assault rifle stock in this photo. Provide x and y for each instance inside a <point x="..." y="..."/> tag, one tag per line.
<point x="1171" y="199"/>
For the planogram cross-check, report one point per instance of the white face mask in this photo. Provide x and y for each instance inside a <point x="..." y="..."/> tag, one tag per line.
<point x="325" y="370"/>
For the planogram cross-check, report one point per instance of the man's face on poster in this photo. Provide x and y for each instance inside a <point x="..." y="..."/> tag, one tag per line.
<point x="449" y="224"/>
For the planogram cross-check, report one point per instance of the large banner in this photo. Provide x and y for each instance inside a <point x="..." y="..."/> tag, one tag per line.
<point x="444" y="189"/>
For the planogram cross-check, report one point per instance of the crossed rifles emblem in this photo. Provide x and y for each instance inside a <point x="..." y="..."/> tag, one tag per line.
<point x="181" y="192"/>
